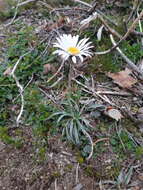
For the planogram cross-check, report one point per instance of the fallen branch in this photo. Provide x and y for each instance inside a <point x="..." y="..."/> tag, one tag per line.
<point x="26" y="2"/>
<point x="92" y="8"/>
<point x="24" y="87"/>
<point x="91" y="91"/>
<point x="132" y="27"/>
<point x="76" y="179"/>
<point x="111" y="30"/>
<point x="61" y="66"/>
<point x="83" y="3"/>
<point x="100" y="140"/>
<point x="137" y="33"/>
<point x="15" y="14"/>
<point x="89" y="137"/>
<point x="19" y="86"/>
<point x="114" y="93"/>
<point x="51" y="98"/>
<point x="129" y="62"/>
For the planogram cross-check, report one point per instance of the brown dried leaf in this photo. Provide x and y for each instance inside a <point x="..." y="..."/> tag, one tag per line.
<point x="7" y="71"/>
<point x="123" y="78"/>
<point x="49" y="68"/>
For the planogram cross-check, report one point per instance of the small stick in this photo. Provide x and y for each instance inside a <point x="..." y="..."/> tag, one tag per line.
<point x="129" y="62"/>
<point x="15" y="14"/>
<point x="77" y="168"/>
<point x="61" y="66"/>
<point x="52" y="99"/>
<point x="56" y="184"/>
<point x="124" y="37"/>
<point x="24" y="87"/>
<point x="19" y="86"/>
<point x="100" y="140"/>
<point x="114" y="93"/>
<point x="137" y="33"/>
<point x="55" y="83"/>
<point x="89" y="137"/>
<point x="46" y="5"/>
<point x="83" y="3"/>
<point x="107" y="18"/>
<point x="111" y="30"/>
<point x="93" y="92"/>
<point x="99" y="12"/>
<point x="135" y="7"/>
<point x="26" y="2"/>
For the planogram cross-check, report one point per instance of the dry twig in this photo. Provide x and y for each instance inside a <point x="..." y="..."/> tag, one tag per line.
<point x="132" y="27"/>
<point x="91" y="142"/>
<point x="129" y="62"/>
<point x="92" y="91"/>
<point x="25" y="2"/>
<point x="15" y="14"/>
<point x="77" y="169"/>
<point x="19" y="86"/>
<point x="61" y="66"/>
<point x="111" y="30"/>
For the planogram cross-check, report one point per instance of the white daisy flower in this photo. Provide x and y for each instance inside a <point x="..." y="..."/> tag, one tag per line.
<point x="71" y="46"/>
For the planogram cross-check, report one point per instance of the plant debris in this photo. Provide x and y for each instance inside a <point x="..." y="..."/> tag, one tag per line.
<point x="123" y="78"/>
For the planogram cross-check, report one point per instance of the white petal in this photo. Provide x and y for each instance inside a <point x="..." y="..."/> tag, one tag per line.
<point x="62" y="53"/>
<point x="63" y="46"/>
<point x="82" y="42"/>
<point x="74" y="59"/>
<point x="63" y="41"/>
<point x="71" y="41"/>
<point x="88" y="45"/>
<point x="86" y="54"/>
<point x="59" y="52"/>
<point x="75" y="40"/>
<point x="81" y="57"/>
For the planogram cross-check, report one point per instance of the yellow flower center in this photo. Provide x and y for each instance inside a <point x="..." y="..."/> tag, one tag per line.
<point x="73" y="50"/>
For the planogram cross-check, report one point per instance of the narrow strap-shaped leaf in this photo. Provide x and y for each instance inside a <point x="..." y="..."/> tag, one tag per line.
<point x="76" y="134"/>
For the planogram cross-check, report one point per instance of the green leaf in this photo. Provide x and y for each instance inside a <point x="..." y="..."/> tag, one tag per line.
<point x="87" y="149"/>
<point x="71" y="128"/>
<point x="76" y="134"/>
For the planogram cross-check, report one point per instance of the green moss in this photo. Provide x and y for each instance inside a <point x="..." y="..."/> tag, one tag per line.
<point x="122" y="144"/>
<point x="132" y="127"/>
<point x="42" y="153"/>
<point x="6" y="138"/>
<point x="80" y="159"/>
<point x="69" y="167"/>
<point x="133" y="50"/>
<point x="56" y="174"/>
<point x="139" y="152"/>
<point x="90" y="171"/>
